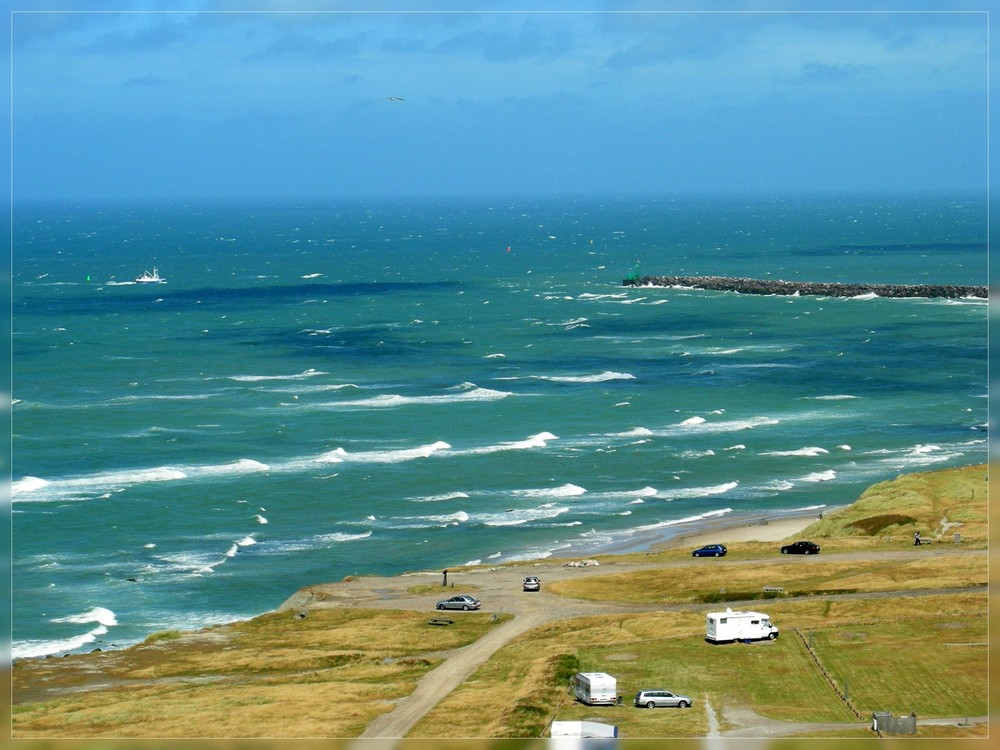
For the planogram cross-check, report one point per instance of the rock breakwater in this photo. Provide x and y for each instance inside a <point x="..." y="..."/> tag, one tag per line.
<point x="764" y="286"/>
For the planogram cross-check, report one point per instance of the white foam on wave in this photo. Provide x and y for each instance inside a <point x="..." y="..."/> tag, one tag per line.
<point x="242" y="466"/>
<point x="338" y="536"/>
<point x="103" y="617"/>
<point x="100" y="615"/>
<point x="566" y="490"/>
<point x="385" y="457"/>
<point x="427" y="522"/>
<point x="694" y="492"/>
<point x="260" y="519"/>
<point x="521" y="517"/>
<point x="635" y="432"/>
<point x="819" y="476"/>
<point x="440" y="498"/>
<point x="698" y="454"/>
<point x="869" y="295"/>
<point x="71" y="488"/>
<point x="541" y="440"/>
<point x="591" y="295"/>
<point x="811" y="451"/>
<point x="600" y="377"/>
<point x="733" y="425"/>
<point x="498" y="355"/>
<point x="835" y="397"/>
<point x="394" y="400"/>
<point x="623" y="494"/>
<point x="778" y="485"/>
<point x="310" y="373"/>
<point x="686" y="519"/>
<point x="28" y="484"/>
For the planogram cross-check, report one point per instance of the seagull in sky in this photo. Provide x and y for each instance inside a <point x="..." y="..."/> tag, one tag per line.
<point x="394" y="99"/>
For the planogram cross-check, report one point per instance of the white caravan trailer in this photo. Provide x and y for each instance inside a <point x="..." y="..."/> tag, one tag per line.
<point x="739" y="626"/>
<point x="594" y="688"/>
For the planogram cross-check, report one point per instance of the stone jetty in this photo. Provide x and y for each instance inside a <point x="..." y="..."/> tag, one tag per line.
<point x="764" y="286"/>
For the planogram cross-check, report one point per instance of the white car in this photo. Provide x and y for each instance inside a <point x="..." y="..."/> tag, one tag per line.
<point x="462" y="601"/>
<point x="531" y="583"/>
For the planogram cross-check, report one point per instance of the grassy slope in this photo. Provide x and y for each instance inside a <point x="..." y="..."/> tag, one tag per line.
<point x="329" y="674"/>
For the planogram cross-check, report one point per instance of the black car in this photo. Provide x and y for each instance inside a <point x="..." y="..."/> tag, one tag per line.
<point x="800" y="548"/>
<point x="710" y="550"/>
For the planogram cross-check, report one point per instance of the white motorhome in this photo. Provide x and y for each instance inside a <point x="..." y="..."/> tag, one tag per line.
<point x="730" y="626"/>
<point x="594" y="688"/>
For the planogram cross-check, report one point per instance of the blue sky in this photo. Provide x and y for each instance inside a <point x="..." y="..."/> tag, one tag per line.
<point x="610" y="98"/>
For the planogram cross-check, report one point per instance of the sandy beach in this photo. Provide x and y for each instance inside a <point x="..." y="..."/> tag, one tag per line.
<point x="744" y="527"/>
<point x="748" y="529"/>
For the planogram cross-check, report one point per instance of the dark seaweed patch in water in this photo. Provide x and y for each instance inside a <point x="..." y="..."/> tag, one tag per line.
<point x="156" y="298"/>
<point x="889" y="249"/>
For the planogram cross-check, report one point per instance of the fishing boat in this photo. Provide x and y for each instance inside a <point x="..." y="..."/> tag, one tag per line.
<point x="149" y="278"/>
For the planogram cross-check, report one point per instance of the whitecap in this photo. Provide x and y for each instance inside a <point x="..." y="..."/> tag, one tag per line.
<point x="310" y="373"/>
<point x="600" y="377"/>
<point x="260" y="519"/>
<point x="694" y="492"/>
<point x="439" y="498"/>
<point x="811" y="451"/>
<point x="28" y="484"/>
<point x="820" y="476"/>
<point x="342" y="537"/>
<point x="101" y="615"/>
<point x="693" y="421"/>
<point x="390" y="456"/>
<point x="566" y="490"/>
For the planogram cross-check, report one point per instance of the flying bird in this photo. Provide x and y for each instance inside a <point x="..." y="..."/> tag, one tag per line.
<point x="394" y="99"/>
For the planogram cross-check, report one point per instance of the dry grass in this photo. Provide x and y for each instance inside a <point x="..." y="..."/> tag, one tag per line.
<point x="339" y="668"/>
<point x="701" y="581"/>
<point x="857" y="640"/>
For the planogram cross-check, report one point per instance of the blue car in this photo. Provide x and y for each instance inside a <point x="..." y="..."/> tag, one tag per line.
<point x="710" y="550"/>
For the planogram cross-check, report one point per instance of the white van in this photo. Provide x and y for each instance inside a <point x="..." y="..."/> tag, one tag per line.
<point x="723" y="627"/>
<point x="594" y="688"/>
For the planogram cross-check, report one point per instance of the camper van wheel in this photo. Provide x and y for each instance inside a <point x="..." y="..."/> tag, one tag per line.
<point x="682" y="704"/>
<point x="770" y="636"/>
<point x="650" y="704"/>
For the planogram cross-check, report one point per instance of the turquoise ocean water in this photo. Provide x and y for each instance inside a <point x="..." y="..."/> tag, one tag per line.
<point x="321" y="390"/>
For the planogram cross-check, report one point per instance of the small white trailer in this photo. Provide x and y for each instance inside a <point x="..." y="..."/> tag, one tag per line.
<point x="594" y="688"/>
<point x="728" y="626"/>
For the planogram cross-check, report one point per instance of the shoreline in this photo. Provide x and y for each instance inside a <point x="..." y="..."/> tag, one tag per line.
<point x="757" y="526"/>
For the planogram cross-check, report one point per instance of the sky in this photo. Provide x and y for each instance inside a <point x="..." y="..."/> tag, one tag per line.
<point x="291" y="100"/>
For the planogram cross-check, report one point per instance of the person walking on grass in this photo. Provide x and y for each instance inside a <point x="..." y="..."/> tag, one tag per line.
<point x="916" y="538"/>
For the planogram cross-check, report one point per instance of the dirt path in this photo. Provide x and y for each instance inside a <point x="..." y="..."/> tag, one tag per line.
<point x="499" y="589"/>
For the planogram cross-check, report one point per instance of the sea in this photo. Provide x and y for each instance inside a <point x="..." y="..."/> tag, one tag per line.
<point x="319" y="389"/>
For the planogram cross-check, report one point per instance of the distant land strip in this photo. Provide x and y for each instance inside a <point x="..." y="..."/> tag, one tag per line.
<point x="762" y="286"/>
